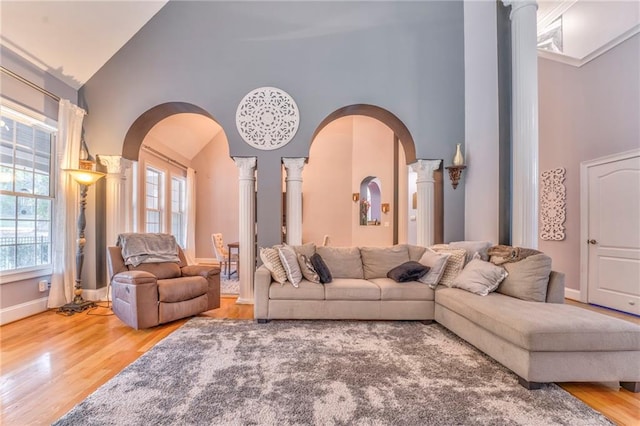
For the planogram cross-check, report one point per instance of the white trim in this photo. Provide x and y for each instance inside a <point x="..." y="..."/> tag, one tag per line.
<point x="573" y="294"/>
<point x="99" y="294"/>
<point x="23" y="310"/>
<point x="554" y="13"/>
<point x="584" y="212"/>
<point x="244" y="301"/>
<point x="25" y="274"/>
<point x="578" y="62"/>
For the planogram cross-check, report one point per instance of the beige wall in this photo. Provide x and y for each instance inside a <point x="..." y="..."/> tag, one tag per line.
<point x="345" y="152"/>
<point x="586" y="113"/>
<point x="216" y="195"/>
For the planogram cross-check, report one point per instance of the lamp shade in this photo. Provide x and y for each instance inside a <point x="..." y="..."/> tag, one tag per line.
<point x="85" y="177"/>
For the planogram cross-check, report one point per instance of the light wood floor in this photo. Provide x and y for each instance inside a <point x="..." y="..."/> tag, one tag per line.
<point x="50" y="362"/>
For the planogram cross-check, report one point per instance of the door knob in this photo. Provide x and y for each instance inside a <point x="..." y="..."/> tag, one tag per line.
<point x="592" y="242"/>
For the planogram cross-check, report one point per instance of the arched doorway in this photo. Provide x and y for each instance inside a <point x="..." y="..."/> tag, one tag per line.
<point x="387" y="141"/>
<point x="183" y="146"/>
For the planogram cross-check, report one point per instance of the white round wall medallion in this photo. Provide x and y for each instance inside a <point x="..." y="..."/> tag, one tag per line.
<point x="267" y="118"/>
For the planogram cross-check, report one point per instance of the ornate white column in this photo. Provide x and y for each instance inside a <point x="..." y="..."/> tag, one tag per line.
<point x="247" y="224"/>
<point x="119" y="205"/>
<point x="524" y="106"/>
<point x="294" y="167"/>
<point x="425" y="199"/>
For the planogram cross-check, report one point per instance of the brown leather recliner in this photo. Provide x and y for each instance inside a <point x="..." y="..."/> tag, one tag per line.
<point x="156" y="293"/>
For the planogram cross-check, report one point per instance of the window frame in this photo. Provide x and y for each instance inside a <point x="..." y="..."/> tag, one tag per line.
<point x="183" y="207"/>
<point x="162" y="196"/>
<point x="31" y="118"/>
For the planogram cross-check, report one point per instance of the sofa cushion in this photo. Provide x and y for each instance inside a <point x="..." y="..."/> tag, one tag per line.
<point x="479" y="277"/>
<point x="271" y="259"/>
<point x="181" y="289"/>
<point x="324" y="274"/>
<point x="473" y="247"/>
<point x="289" y="261"/>
<point x="307" y="269"/>
<point x="343" y="262"/>
<point x="437" y="263"/>
<point x="306" y="290"/>
<point x="455" y="263"/>
<point x="351" y="289"/>
<point x="546" y="327"/>
<point x="528" y="279"/>
<point x="408" y="271"/>
<point x="377" y="261"/>
<point x="162" y="271"/>
<point x="415" y="252"/>
<point x="412" y="290"/>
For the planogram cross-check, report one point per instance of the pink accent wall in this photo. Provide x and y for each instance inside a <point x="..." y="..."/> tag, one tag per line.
<point x="345" y="152"/>
<point x="586" y="113"/>
<point x="216" y="195"/>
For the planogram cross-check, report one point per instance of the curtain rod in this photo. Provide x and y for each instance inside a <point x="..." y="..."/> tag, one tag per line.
<point x="30" y="84"/>
<point x="163" y="157"/>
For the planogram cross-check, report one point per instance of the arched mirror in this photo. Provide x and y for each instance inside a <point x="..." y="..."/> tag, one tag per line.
<point x="370" y="201"/>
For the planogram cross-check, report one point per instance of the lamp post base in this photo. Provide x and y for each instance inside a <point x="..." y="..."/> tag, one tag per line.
<point x="72" y="308"/>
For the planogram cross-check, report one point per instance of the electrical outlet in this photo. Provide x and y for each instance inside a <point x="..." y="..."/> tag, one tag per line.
<point x="43" y="285"/>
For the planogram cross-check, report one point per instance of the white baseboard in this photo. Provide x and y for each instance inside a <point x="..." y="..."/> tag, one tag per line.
<point x="242" y="301"/>
<point x="95" y="294"/>
<point x="572" y="294"/>
<point x="23" y="310"/>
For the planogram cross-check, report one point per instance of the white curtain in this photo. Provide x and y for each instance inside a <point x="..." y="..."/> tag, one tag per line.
<point x="65" y="229"/>
<point x="190" y="251"/>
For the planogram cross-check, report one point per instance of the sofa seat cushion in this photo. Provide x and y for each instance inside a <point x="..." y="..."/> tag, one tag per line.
<point x="542" y="327"/>
<point x="180" y="289"/>
<point x="306" y="291"/>
<point x="412" y="290"/>
<point x="351" y="289"/>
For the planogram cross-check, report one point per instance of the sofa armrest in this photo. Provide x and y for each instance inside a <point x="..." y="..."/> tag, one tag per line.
<point x="212" y="275"/>
<point x="555" y="289"/>
<point x="262" y="282"/>
<point x="135" y="278"/>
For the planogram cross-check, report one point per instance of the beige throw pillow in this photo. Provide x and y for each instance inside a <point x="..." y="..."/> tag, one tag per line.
<point x="480" y="277"/>
<point x="343" y="262"/>
<point x="528" y="279"/>
<point x="377" y="261"/>
<point x="308" y="271"/>
<point x="271" y="259"/>
<point x="437" y="262"/>
<point x="289" y="261"/>
<point x="455" y="263"/>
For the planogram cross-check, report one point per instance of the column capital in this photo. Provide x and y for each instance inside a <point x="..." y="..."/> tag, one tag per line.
<point x="115" y="164"/>
<point x="519" y="4"/>
<point x="294" y="167"/>
<point x="247" y="167"/>
<point x="425" y="169"/>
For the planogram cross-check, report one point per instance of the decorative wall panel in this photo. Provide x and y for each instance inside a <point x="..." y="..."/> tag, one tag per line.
<point x="267" y="118"/>
<point x="553" y="202"/>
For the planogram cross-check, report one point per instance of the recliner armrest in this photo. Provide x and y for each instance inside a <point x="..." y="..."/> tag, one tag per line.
<point x="201" y="270"/>
<point x="134" y="277"/>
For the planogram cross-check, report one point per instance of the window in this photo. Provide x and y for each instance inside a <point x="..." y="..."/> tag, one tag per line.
<point x="26" y="195"/>
<point x="154" y="208"/>
<point x="178" y="210"/>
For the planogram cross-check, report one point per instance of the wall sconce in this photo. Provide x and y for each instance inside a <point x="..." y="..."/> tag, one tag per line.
<point x="84" y="176"/>
<point x="455" y="171"/>
<point x="355" y="197"/>
<point x="384" y="207"/>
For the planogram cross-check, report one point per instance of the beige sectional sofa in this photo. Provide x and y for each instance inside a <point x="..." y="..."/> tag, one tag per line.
<point x="539" y="341"/>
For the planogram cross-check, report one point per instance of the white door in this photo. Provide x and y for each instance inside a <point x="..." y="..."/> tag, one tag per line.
<point x="613" y="238"/>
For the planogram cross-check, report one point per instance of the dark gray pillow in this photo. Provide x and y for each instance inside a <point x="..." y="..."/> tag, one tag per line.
<point x="321" y="268"/>
<point x="408" y="271"/>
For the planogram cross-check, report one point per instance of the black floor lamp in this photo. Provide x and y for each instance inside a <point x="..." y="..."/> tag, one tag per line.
<point x="85" y="176"/>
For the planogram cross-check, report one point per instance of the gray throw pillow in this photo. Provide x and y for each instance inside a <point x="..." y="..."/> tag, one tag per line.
<point x="528" y="279"/>
<point x="289" y="261"/>
<point x="437" y="263"/>
<point x="408" y="271"/>
<point x="473" y="247"/>
<point x="479" y="277"/>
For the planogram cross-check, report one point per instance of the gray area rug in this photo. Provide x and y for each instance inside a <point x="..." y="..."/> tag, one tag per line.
<point x="220" y="372"/>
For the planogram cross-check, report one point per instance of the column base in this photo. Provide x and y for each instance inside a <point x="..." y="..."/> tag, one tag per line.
<point x="243" y="301"/>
